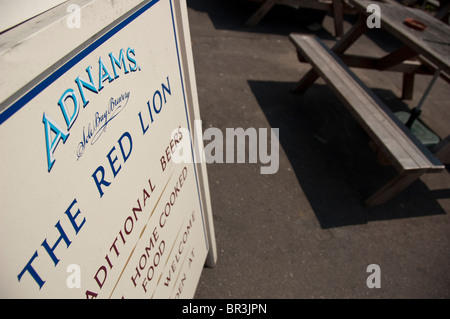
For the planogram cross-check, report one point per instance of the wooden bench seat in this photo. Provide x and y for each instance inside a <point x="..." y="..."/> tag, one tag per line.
<point x="403" y="150"/>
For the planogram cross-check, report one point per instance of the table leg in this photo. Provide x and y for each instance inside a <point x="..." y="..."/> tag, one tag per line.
<point x="442" y="150"/>
<point x="443" y="12"/>
<point x="393" y="188"/>
<point x="306" y="81"/>
<point x="415" y="112"/>
<point x="408" y="86"/>
<point x="260" y="13"/>
<point x="396" y="57"/>
<point x="338" y="15"/>
<point x="351" y="36"/>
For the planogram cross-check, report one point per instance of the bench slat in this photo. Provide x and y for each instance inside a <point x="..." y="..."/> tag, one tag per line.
<point x="396" y="141"/>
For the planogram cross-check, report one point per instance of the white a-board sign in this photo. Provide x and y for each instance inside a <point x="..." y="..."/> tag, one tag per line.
<point x="102" y="195"/>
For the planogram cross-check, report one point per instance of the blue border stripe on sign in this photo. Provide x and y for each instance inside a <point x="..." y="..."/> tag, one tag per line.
<point x="9" y="111"/>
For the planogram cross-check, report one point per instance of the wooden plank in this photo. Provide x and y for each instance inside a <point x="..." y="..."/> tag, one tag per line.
<point x="391" y="123"/>
<point x="431" y="42"/>
<point x="396" y="57"/>
<point x="365" y="62"/>
<point x="399" y="145"/>
<point x="359" y="61"/>
<point x="310" y="4"/>
<point x="338" y="14"/>
<point x="377" y="124"/>
<point x="408" y="86"/>
<point x="260" y="13"/>
<point x="340" y="47"/>
<point x="432" y="68"/>
<point x="351" y="36"/>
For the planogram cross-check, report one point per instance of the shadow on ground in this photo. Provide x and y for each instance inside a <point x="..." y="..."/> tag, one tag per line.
<point x="281" y="19"/>
<point x="232" y="15"/>
<point x="331" y="157"/>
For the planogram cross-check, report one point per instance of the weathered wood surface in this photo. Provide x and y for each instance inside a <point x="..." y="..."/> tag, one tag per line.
<point x="391" y="137"/>
<point x="433" y="42"/>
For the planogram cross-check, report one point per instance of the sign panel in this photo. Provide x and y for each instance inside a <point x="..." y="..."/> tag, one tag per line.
<point x="15" y="12"/>
<point x="95" y="201"/>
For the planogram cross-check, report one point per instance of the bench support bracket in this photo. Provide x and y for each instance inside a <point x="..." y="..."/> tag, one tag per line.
<point x="392" y="188"/>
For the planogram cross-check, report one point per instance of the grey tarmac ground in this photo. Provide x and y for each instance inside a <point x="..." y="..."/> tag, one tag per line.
<point x="304" y="231"/>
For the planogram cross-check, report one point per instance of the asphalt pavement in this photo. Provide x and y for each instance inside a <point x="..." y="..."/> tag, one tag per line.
<point x="304" y="232"/>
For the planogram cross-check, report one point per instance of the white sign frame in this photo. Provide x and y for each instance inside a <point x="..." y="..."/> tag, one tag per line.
<point x="101" y="21"/>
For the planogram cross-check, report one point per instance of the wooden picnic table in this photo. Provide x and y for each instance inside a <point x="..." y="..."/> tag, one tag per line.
<point x="433" y="42"/>
<point x="422" y="52"/>
<point x="392" y="139"/>
<point x="430" y="47"/>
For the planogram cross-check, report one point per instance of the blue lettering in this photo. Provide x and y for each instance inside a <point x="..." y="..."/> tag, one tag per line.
<point x="72" y="218"/>
<point x="166" y="89"/>
<point x="51" y="250"/>
<point x="32" y="272"/>
<point x="119" y="63"/>
<point x="51" y="126"/>
<point x="62" y="104"/>
<point x="150" y="111"/>
<point x="84" y="84"/>
<point x="144" y="129"/>
<point x="71" y="113"/>
<point x="130" y="142"/>
<point x="100" y="179"/>
<point x="134" y="66"/>
<point x="103" y="74"/>
<point x="156" y="104"/>
<point x="111" y="162"/>
<point x="157" y="109"/>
